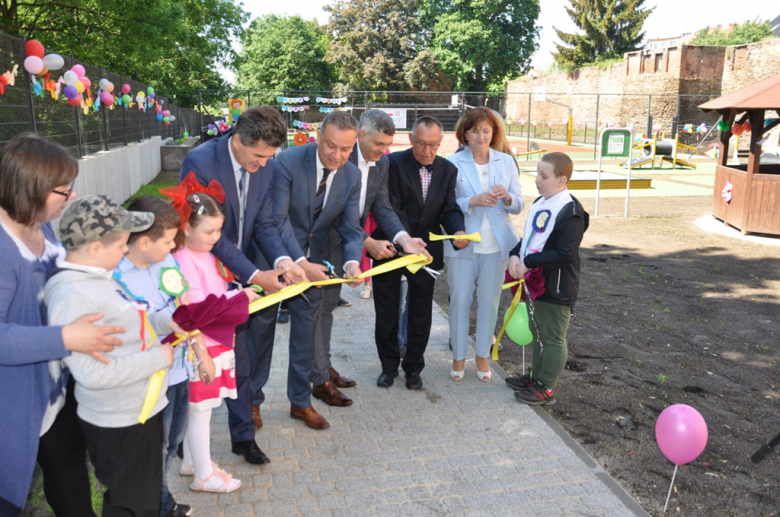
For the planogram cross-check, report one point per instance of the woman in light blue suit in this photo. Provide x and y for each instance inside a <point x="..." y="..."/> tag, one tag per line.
<point x="487" y="190"/>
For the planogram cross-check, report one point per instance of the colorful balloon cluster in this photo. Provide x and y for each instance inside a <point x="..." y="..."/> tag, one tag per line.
<point x="738" y="129"/>
<point x="690" y="128"/>
<point x="163" y="116"/>
<point x="220" y="127"/>
<point x="36" y="63"/>
<point x="76" y="82"/>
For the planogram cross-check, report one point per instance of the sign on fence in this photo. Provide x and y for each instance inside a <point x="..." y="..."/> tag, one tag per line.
<point x="398" y="116"/>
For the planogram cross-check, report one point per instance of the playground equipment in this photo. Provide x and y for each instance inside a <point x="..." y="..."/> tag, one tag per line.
<point x="648" y="151"/>
<point x="667" y="149"/>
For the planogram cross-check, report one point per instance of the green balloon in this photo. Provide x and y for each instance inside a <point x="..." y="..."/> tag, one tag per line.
<point x="150" y="90"/>
<point x="166" y="119"/>
<point x="518" y="328"/>
<point x="186" y="135"/>
<point x="126" y="99"/>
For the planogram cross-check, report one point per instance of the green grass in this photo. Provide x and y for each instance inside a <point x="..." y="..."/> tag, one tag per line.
<point x="164" y="179"/>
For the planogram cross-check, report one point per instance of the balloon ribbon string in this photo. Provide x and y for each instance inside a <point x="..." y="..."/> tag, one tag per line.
<point x="510" y="313"/>
<point x="670" y="487"/>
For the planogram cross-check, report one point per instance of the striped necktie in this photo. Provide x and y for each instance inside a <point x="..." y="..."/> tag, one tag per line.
<point x="321" y="195"/>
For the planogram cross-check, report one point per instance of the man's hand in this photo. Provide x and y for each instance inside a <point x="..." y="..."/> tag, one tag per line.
<point x="314" y="272"/>
<point x="293" y="270"/>
<point x="460" y="243"/>
<point x="379" y="249"/>
<point x="269" y="280"/>
<point x="352" y="270"/>
<point x="415" y="245"/>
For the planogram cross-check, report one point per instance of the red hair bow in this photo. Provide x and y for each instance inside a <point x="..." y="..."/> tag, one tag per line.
<point x="190" y="185"/>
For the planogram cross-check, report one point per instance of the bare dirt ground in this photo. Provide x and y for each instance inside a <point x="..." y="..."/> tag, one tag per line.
<point x="669" y="314"/>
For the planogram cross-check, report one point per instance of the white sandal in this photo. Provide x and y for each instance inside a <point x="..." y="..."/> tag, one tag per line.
<point x="189" y="470"/>
<point x="485" y="376"/>
<point x="219" y="481"/>
<point x="457" y="376"/>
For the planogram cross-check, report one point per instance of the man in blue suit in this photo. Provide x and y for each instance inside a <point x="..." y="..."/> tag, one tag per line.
<point x="241" y="163"/>
<point x="316" y="189"/>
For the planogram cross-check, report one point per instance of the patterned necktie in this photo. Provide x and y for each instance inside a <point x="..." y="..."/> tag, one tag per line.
<point x="425" y="179"/>
<point x="321" y="194"/>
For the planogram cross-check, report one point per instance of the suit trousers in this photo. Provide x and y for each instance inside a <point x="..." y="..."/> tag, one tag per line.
<point x="324" y="327"/>
<point x="128" y="462"/>
<point x="303" y="318"/>
<point x="487" y="270"/>
<point x="387" y="297"/>
<point x="239" y="412"/>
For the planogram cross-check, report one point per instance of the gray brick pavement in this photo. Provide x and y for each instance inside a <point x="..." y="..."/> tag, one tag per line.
<point x="455" y="448"/>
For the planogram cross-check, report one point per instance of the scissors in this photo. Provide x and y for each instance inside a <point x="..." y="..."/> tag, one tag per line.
<point x="332" y="269"/>
<point x="435" y="274"/>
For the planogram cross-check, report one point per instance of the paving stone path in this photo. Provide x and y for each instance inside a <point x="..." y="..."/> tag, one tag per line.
<point x="454" y="448"/>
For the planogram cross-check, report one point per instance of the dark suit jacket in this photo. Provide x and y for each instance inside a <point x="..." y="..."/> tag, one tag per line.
<point x="211" y="161"/>
<point x="295" y="194"/>
<point x="440" y="208"/>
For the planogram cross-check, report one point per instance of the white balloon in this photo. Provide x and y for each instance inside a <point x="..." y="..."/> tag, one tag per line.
<point x="140" y="98"/>
<point x="53" y="61"/>
<point x="171" y="118"/>
<point x="70" y="78"/>
<point x="104" y="83"/>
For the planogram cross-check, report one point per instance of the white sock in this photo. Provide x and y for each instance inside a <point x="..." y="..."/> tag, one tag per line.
<point x="198" y="442"/>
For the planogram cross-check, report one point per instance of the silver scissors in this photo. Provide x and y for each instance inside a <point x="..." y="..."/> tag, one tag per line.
<point x="432" y="272"/>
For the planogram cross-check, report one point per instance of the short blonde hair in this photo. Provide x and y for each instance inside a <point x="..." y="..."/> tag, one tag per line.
<point x="561" y="163"/>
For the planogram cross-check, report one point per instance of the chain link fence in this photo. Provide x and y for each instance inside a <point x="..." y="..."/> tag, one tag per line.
<point x="25" y="108"/>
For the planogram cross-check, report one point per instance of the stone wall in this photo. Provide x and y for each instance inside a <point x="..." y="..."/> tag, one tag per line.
<point x="747" y="64"/>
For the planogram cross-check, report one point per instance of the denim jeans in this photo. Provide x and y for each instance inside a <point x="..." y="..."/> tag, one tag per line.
<point x="174" y="427"/>
<point x="403" y="313"/>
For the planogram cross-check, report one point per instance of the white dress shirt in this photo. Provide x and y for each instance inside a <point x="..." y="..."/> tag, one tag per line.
<point x="364" y="167"/>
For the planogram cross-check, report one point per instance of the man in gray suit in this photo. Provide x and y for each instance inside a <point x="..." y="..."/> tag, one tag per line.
<point x="374" y="137"/>
<point x="315" y="189"/>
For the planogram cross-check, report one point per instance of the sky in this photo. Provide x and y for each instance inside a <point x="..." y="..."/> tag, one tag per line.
<point x="670" y="18"/>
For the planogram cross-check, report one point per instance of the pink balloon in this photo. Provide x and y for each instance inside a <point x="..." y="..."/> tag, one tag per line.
<point x="158" y="109"/>
<point x="86" y="82"/>
<point x="681" y="433"/>
<point x="79" y="70"/>
<point x="166" y="113"/>
<point x="106" y="98"/>
<point x="166" y="123"/>
<point x="33" y="64"/>
<point x="125" y="89"/>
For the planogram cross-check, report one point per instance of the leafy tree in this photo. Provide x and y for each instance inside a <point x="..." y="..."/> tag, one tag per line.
<point x="281" y="53"/>
<point x="376" y="45"/>
<point x="612" y="28"/>
<point x="174" y="45"/>
<point x="748" y="32"/>
<point x="479" y="44"/>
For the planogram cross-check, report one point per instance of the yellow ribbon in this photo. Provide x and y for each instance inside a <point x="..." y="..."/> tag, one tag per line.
<point x="412" y="262"/>
<point x="510" y="313"/>
<point x="473" y="237"/>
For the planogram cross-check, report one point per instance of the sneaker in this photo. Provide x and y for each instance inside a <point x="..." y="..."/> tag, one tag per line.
<point x="520" y="382"/>
<point x="284" y="316"/>
<point x="365" y="293"/>
<point x="180" y="510"/>
<point x="219" y="482"/>
<point x="344" y="303"/>
<point x="536" y="395"/>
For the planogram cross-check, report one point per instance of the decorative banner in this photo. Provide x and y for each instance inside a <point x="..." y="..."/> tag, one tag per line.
<point x="236" y="108"/>
<point x="294" y="109"/>
<point x="292" y="100"/>
<point x="328" y="110"/>
<point x="305" y="125"/>
<point x="326" y="100"/>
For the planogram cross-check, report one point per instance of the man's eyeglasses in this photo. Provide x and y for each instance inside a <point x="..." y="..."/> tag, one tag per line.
<point x="65" y="194"/>
<point x="423" y="145"/>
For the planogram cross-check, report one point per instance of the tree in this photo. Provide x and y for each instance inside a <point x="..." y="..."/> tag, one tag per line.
<point x="478" y="44"/>
<point x="738" y="34"/>
<point x="281" y="53"/>
<point x="174" y="46"/>
<point x="612" y="28"/>
<point x="376" y="45"/>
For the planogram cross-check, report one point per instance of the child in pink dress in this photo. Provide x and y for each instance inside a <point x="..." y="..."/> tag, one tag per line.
<point x="216" y="377"/>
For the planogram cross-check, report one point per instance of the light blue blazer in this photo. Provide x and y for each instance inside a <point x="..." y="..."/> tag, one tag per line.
<point x="503" y="171"/>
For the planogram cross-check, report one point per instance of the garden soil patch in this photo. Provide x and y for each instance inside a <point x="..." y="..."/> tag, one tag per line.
<point x="668" y="314"/>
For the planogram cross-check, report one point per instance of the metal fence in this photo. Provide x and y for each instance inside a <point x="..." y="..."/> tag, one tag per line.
<point x="23" y="109"/>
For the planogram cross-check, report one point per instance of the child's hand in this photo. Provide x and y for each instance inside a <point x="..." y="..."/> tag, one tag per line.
<point x="176" y="328"/>
<point x="207" y="371"/>
<point x="252" y="294"/>
<point x="167" y="351"/>
<point x="514" y="267"/>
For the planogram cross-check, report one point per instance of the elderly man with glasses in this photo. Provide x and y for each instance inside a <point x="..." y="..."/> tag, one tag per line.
<point x="422" y="193"/>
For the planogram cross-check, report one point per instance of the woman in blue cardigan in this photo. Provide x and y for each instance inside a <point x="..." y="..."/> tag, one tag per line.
<point x="37" y="419"/>
<point x="487" y="191"/>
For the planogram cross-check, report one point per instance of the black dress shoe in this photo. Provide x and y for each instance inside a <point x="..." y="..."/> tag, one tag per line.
<point x="414" y="381"/>
<point x="385" y="380"/>
<point x="344" y="303"/>
<point x="283" y="317"/>
<point x="251" y="452"/>
<point x="180" y="451"/>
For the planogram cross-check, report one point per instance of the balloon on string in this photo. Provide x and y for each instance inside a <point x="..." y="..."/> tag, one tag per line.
<point x="518" y="328"/>
<point x="152" y="95"/>
<point x="186" y="135"/>
<point x="103" y="84"/>
<point x="126" y="99"/>
<point x="166" y="123"/>
<point x="746" y="125"/>
<point x="76" y="100"/>
<point x="106" y="98"/>
<point x="681" y="433"/>
<point x="43" y="72"/>
<point x="125" y="89"/>
<point x="150" y="90"/>
<point x="79" y="86"/>
<point x="172" y="118"/>
<point x="737" y="129"/>
<point x="158" y="109"/>
<point x="34" y="48"/>
<point x="70" y="78"/>
<point x="33" y="64"/>
<point x="70" y="92"/>
<point x="53" y="61"/>
<point x="166" y="113"/>
<point x="158" y="117"/>
<point x="140" y="98"/>
<point x="110" y="87"/>
<point x="86" y="82"/>
<point x="79" y="70"/>
<point x="166" y="119"/>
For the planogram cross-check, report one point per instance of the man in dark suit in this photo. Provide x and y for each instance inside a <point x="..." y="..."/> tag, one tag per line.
<point x="316" y="188"/>
<point x="422" y="192"/>
<point x="375" y="134"/>
<point x="241" y="163"/>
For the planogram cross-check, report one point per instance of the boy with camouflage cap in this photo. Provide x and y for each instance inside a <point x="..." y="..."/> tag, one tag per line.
<point x="126" y="454"/>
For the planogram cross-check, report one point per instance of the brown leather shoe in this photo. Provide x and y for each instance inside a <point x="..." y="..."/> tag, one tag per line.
<point x="330" y="394"/>
<point x="256" y="417"/>
<point x="310" y="417"/>
<point x="339" y="381"/>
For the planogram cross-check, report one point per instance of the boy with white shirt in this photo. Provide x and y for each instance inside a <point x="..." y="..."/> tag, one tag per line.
<point x="551" y="241"/>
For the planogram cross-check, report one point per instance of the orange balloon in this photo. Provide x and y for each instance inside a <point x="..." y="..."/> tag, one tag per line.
<point x="43" y="72"/>
<point x="110" y="87"/>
